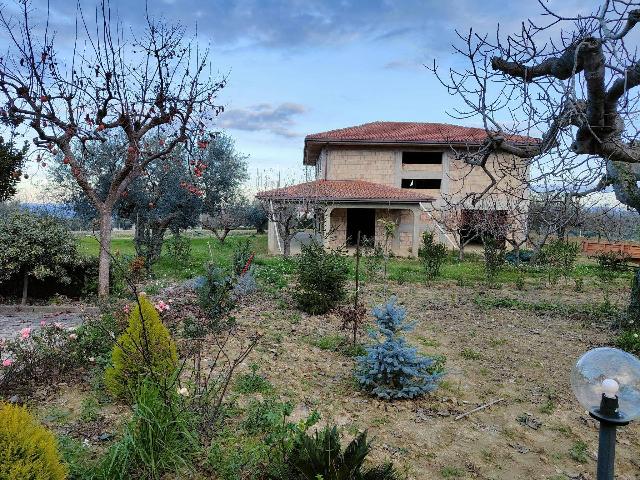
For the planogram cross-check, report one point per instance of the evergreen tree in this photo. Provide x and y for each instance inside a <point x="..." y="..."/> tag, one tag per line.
<point x="392" y="368"/>
<point x="11" y="162"/>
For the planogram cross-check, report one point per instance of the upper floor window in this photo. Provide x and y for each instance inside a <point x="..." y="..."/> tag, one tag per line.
<point x="424" y="183"/>
<point x="422" y="158"/>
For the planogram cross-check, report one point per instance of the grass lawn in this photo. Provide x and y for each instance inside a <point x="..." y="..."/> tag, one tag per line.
<point x="206" y="248"/>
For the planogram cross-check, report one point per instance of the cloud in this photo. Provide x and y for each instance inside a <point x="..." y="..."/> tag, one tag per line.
<point x="405" y="65"/>
<point x="276" y="119"/>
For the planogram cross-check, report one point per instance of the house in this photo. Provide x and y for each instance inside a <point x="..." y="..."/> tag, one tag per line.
<point x="400" y="172"/>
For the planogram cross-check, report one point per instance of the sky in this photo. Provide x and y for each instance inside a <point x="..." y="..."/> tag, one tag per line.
<point x="297" y="67"/>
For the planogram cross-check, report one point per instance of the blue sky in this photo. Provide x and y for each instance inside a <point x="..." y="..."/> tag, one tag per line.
<point x="304" y="66"/>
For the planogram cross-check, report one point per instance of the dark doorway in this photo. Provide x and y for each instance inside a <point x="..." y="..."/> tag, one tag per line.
<point x="363" y="220"/>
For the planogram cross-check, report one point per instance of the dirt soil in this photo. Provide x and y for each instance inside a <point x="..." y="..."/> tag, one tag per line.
<point x="522" y="357"/>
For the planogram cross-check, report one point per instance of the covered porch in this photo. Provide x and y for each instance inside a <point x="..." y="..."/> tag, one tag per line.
<point x="342" y="208"/>
<point x="343" y="221"/>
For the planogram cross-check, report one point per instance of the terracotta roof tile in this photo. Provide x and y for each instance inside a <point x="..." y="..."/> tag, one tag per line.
<point x="346" y="191"/>
<point x="411" y="132"/>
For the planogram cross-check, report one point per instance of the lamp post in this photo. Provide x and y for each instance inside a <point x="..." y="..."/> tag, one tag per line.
<point x="606" y="382"/>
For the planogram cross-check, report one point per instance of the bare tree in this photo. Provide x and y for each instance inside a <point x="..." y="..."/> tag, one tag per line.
<point x="227" y="218"/>
<point x="111" y="84"/>
<point x="462" y="225"/>
<point x="569" y="80"/>
<point x="289" y="218"/>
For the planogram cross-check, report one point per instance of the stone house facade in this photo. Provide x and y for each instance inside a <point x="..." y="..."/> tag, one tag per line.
<point x="400" y="172"/>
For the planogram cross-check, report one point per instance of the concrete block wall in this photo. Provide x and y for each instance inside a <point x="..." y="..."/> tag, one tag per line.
<point x="376" y="166"/>
<point x="338" y="227"/>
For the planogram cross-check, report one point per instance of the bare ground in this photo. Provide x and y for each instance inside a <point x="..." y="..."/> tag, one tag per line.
<point x="521" y="356"/>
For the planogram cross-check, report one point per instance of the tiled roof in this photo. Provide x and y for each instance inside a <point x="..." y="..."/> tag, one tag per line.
<point x="345" y="191"/>
<point x="411" y="132"/>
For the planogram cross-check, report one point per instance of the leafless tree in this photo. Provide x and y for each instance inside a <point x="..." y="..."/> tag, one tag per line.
<point x="226" y="219"/>
<point x="460" y="225"/>
<point x="110" y="84"/>
<point x="569" y="80"/>
<point x="290" y="217"/>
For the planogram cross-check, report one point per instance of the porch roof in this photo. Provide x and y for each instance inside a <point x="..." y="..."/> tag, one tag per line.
<point x="345" y="191"/>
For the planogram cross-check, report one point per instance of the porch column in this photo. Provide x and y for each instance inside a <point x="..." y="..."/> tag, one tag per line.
<point x="327" y="226"/>
<point x="416" y="240"/>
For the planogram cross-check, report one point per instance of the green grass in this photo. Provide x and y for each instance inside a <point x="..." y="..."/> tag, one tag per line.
<point x="252" y="382"/>
<point x="578" y="452"/>
<point x="591" y="310"/>
<point x="275" y="269"/>
<point x="451" y="472"/>
<point x="204" y="248"/>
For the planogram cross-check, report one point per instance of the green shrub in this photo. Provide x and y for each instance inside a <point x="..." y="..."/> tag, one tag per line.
<point x="35" y="247"/>
<point x="178" y="249"/>
<point x="629" y="341"/>
<point x="27" y="449"/>
<point x="145" y="349"/>
<point x="159" y="439"/>
<point x="559" y="258"/>
<point x="432" y="254"/>
<point x="215" y="296"/>
<point x="610" y="264"/>
<point x="322" y="456"/>
<point x="322" y="275"/>
<point x="494" y="250"/>
<point x="241" y="255"/>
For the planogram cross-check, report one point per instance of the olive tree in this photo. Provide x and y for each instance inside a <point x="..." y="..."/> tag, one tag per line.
<point x="11" y="161"/>
<point x="34" y="246"/>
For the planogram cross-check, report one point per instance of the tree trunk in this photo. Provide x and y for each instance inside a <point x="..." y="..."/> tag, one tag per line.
<point x="105" y="258"/>
<point x="25" y="288"/>
<point x="286" y="243"/>
<point x="461" y="253"/>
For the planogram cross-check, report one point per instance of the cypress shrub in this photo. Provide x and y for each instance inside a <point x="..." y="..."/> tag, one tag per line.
<point x="27" y="449"/>
<point x="144" y="349"/>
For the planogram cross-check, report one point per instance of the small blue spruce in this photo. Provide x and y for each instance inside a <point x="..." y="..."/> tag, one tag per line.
<point x="392" y="369"/>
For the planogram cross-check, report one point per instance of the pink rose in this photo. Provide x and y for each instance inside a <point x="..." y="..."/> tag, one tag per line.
<point x="7" y="362"/>
<point x="73" y="336"/>
<point x="25" y="332"/>
<point x="43" y="323"/>
<point x="161" y="306"/>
